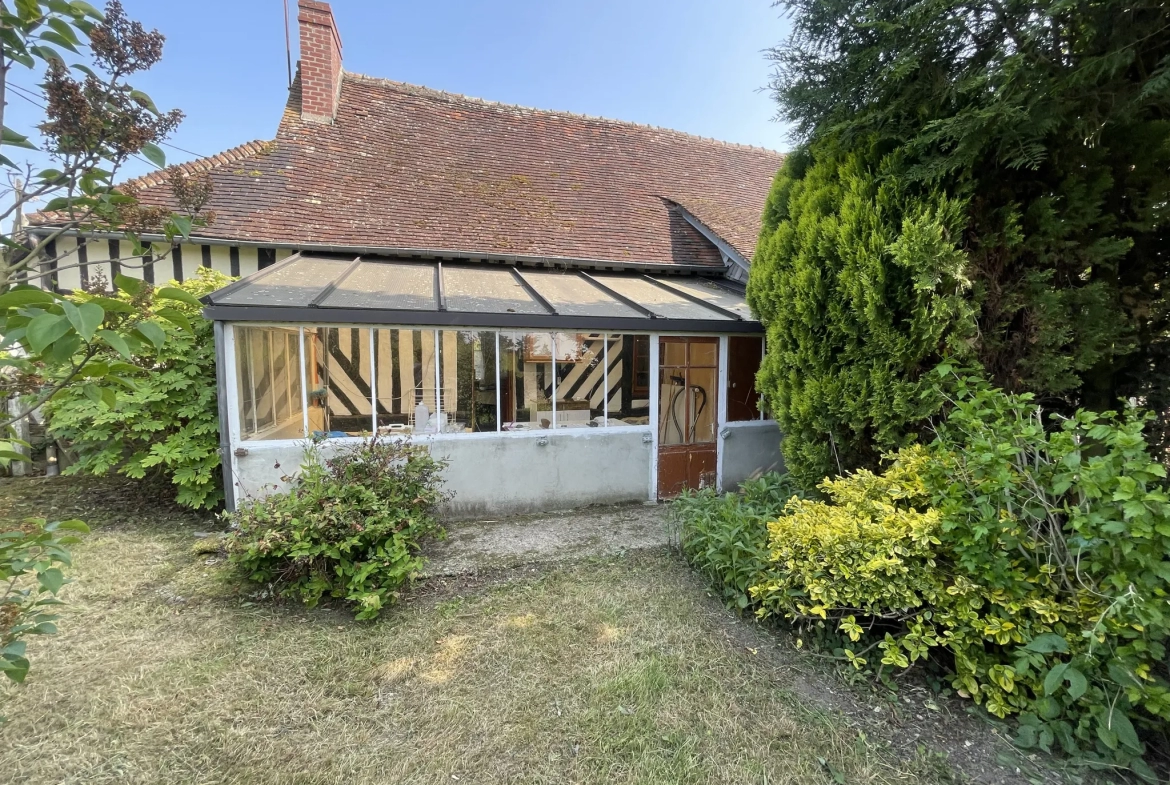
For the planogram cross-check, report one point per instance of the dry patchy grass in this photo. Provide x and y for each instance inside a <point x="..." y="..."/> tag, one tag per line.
<point x="614" y="671"/>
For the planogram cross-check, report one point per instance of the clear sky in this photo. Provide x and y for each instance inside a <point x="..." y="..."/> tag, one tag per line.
<point x="692" y="65"/>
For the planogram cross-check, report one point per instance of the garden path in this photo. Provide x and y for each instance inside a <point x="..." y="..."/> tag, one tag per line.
<point x="472" y="546"/>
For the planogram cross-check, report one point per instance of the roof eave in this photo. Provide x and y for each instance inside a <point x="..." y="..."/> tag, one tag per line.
<point x="530" y="260"/>
<point x="379" y="316"/>
<point x="731" y="257"/>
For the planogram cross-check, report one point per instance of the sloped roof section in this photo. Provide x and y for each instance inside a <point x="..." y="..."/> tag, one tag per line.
<point x="331" y="288"/>
<point x="407" y="168"/>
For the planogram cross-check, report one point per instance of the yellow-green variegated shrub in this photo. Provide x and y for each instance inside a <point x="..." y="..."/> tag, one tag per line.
<point x="1030" y="560"/>
<point x="868" y="552"/>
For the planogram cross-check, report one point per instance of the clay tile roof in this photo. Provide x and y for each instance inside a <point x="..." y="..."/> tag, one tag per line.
<point x="407" y="167"/>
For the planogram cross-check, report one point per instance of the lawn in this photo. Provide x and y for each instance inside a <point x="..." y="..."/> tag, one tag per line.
<point x="611" y="670"/>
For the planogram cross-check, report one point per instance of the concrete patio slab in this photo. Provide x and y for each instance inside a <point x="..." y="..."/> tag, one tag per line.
<point x="471" y="546"/>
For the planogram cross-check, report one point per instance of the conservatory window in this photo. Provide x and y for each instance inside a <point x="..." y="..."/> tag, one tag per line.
<point x="269" y="382"/>
<point x="359" y="380"/>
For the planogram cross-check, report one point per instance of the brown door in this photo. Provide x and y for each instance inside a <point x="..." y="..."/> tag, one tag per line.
<point x="688" y="405"/>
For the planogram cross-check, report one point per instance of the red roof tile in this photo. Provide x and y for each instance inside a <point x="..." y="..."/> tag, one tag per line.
<point x="407" y="167"/>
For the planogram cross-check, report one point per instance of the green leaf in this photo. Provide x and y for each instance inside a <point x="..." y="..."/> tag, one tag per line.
<point x="15" y="668"/>
<point x="1026" y="737"/>
<point x="28" y="10"/>
<point x="109" y="397"/>
<point x="1077" y="683"/>
<point x="89" y="317"/>
<point x="13" y="139"/>
<point x="19" y="297"/>
<point x="73" y="525"/>
<point x="171" y="293"/>
<point x="1055" y="678"/>
<point x="153" y="333"/>
<point x="1143" y="770"/>
<point x="154" y="154"/>
<point x="175" y="317"/>
<point x="92" y="392"/>
<point x="12" y="455"/>
<point x="45" y="329"/>
<point x="1047" y="643"/>
<point x="1120" y="724"/>
<point x="51" y="580"/>
<point x="182" y="225"/>
<point x="115" y="342"/>
<point x="63" y="348"/>
<point x="1123" y="676"/>
<point x="144" y="101"/>
<point x="58" y="39"/>
<point x="63" y="29"/>
<point x="86" y="9"/>
<point x="131" y="286"/>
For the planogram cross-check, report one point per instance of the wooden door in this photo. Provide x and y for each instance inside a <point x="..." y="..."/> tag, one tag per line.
<point x="688" y="406"/>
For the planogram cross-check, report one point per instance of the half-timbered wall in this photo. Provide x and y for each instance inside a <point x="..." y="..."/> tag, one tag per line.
<point x="78" y="263"/>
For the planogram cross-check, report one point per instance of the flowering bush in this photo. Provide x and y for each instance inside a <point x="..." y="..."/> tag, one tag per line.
<point x="350" y="527"/>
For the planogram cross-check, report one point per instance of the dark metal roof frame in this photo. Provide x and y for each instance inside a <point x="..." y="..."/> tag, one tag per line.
<point x="531" y="290"/>
<point x="621" y="298"/>
<point x="322" y="314"/>
<point x="248" y="280"/>
<point x="694" y="298"/>
<point x="331" y="287"/>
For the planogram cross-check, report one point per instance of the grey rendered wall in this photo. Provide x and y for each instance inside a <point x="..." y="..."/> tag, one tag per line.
<point x="749" y="450"/>
<point x="521" y="475"/>
<point x="504" y="475"/>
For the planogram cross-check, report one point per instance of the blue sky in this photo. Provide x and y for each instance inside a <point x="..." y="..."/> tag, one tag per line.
<point x="693" y="65"/>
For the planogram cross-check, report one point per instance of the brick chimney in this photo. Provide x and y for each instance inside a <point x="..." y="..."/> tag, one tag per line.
<point x="320" y="65"/>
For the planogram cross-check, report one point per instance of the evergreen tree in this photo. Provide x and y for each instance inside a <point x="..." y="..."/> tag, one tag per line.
<point x="861" y="286"/>
<point x="1050" y="123"/>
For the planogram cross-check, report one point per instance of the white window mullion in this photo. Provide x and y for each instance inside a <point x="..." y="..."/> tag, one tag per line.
<point x="605" y="380"/>
<point x="304" y="382"/>
<point x="553" y="339"/>
<point x="499" y="414"/>
<point x="438" y="382"/>
<point x="373" y="383"/>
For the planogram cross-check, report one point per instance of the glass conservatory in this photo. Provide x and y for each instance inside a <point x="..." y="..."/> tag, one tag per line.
<point x="544" y="388"/>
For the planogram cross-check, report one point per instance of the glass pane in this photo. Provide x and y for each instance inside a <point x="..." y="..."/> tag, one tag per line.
<point x="526" y="368"/>
<point x="688" y="398"/>
<point x="629" y="380"/>
<point x="673" y="426"/>
<point x="580" y="396"/>
<point x="405" y="363"/>
<point x="244" y="381"/>
<point x="261" y="343"/>
<point x="268" y="371"/>
<point x="743" y="362"/>
<point x="467" y="372"/>
<point x="705" y="353"/>
<point x="673" y="353"/>
<point x="701" y="404"/>
<point x="339" y="381"/>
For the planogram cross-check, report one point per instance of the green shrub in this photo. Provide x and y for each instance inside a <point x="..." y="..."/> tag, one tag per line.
<point x="349" y="528"/>
<point x="31" y="556"/>
<point x="169" y="423"/>
<point x="862" y="289"/>
<point x="723" y="536"/>
<point x="1038" y="560"/>
<point x="1031" y="563"/>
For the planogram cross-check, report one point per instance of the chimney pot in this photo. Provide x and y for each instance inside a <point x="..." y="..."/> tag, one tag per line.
<point x="321" y="71"/>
